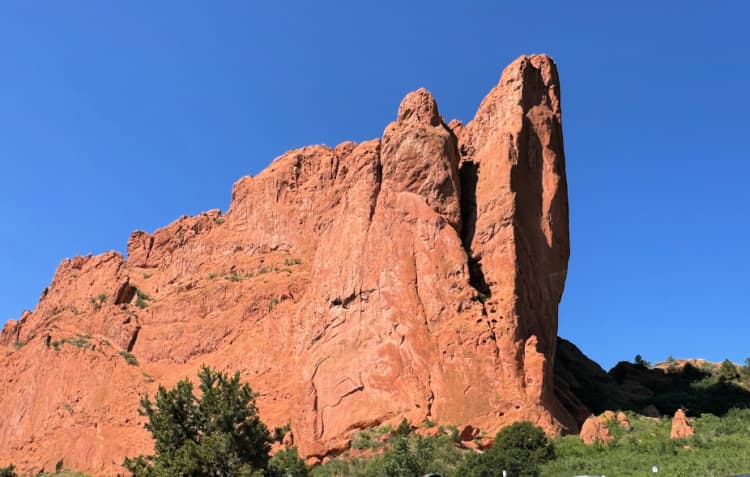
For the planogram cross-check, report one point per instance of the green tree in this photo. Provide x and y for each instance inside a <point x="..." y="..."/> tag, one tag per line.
<point x="217" y="434"/>
<point x="9" y="471"/>
<point x="727" y="371"/>
<point x="641" y="362"/>
<point x="405" y="460"/>
<point x="521" y="449"/>
<point x="745" y="371"/>
<point x="403" y="429"/>
<point x="287" y="462"/>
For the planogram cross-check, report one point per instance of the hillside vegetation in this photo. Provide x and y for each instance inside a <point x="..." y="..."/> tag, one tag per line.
<point x="721" y="447"/>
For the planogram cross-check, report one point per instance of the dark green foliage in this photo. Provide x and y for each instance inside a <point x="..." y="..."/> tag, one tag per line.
<point x="217" y="434"/>
<point x="745" y="371"/>
<point x="404" y="460"/>
<point x="520" y="449"/>
<point x="280" y="432"/>
<point x="427" y="423"/>
<point x="410" y="456"/>
<point x="720" y="447"/>
<point x="287" y="462"/>
<point x="366" y="440"/>
<point x="699" y="391"/>
<point x="728" y="371"/>
<point x="9" y="471"/>
<point x="403" y="429"/>
<point x="141" y="299"/>
<point x="639" y="361"/>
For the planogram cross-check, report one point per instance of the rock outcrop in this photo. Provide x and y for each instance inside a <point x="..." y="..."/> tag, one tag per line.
<point x="414" y="276"/>
<point x="594" y="430"/>
<point x="623" y="421"/>
<point x="681" y="426"/>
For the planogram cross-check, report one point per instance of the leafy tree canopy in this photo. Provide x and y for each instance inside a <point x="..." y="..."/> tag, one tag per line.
<point x="217" y="434"/>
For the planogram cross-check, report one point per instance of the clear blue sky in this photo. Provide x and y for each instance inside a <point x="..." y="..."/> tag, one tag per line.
<point x="117" y="116"/>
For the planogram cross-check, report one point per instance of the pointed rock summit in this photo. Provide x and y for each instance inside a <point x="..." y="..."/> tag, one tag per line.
<point x="413" y="276"/>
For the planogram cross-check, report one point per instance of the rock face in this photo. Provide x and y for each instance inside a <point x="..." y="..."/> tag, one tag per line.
<point x="623" y="421"/>
<point x="681" y="426"/>
<point x="595" y="429"/>
<point x="416" y="276"/>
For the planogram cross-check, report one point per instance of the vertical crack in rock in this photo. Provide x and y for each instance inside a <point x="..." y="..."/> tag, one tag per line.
<point x="133" y="338"/>
<point x="469" y="172"/>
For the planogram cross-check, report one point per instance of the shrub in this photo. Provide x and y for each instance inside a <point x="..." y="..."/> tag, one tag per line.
<point x="403" y="429"/>
<point x="403" y="460"/>
<point x="98" y="300"/>
<point x="745" y="371"/>
<point x="129" y="358"/>
<point x="9" y="471"/>
<point x="365" y="440"/>
<point x="141" y="299"/>
<point x="520" y="449"/>
<point x="286" y="463"/>
<point x="280" y="432"/>
<point x="639" y="361"/>
<point x="728" y="371"/>
<point x="216" y="434"/>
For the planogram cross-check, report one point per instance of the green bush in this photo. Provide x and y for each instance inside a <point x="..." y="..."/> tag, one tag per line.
<point x="98" y="300"/>
<point x="520" y="449"/>
<point x="287" y="462"/>
<point x="216" y="434"/>
<point x="141" y="299"/>
<point x="9" y="471"/>
<point x="728" y="371"/>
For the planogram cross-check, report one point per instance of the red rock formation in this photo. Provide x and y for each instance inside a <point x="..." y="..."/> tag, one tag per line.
<point x="416" y="276"/>
<point x="681" y="426"/>
<point x="623" y="421"/>
<point x="595" y="429"/>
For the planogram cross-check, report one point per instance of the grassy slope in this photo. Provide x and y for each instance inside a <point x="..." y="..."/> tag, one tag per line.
<point x="720" y="447"/>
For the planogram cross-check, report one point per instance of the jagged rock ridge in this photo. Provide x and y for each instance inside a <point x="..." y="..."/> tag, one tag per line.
<point x="414" y="276"/>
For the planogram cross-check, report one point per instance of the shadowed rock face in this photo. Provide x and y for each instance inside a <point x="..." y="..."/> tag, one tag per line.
<point x="413" y="276"/>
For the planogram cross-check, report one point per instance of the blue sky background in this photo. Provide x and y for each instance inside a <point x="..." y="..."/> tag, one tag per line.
<point x="116" y="116"/>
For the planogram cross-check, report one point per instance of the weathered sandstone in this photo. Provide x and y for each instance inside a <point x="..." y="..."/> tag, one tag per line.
<point x="414" y="276"/>
<point x="681" y="426"/>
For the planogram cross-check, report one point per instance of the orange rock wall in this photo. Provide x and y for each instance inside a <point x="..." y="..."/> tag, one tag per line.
<point x="414" y="276"/>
